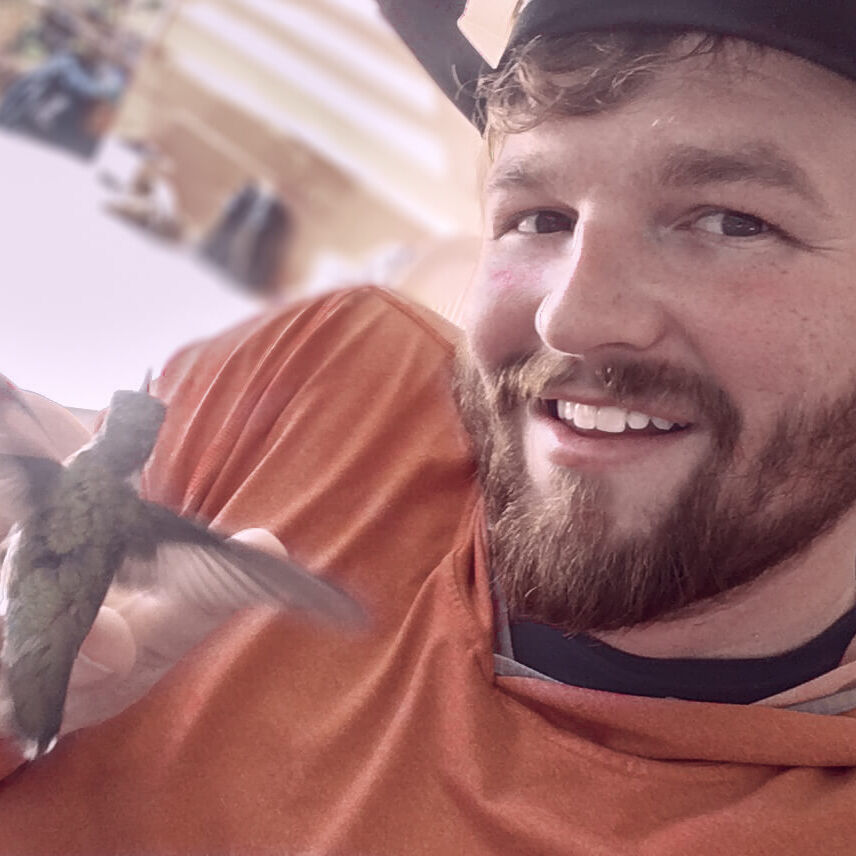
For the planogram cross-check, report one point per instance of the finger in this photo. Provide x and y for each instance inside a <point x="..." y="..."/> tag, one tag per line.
<point x="34" y="425"/>
<point x="109" y="650"/>
<point x="67" y="434"/>
<point x="261" y="539"/>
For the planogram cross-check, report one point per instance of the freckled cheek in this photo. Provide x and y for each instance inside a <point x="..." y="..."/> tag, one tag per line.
<point x="501" y="317"/>
<point x="756" y="349"/>
<point x="776" y="341"/>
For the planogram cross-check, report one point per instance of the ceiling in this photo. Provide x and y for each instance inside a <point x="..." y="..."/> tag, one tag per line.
<point x="334" y="76"/>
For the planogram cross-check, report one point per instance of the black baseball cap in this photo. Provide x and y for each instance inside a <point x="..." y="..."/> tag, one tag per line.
<point x="822" y="31"/>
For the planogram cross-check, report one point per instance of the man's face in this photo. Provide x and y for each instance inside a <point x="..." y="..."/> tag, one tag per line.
<point x="695" y="250"/>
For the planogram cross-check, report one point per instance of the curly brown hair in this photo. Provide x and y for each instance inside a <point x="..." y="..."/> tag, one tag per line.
<point x="583" y="74"/>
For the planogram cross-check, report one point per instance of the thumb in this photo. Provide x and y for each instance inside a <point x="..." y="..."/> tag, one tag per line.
<point x="108" y="650"/>
<point x="261" y="539"/>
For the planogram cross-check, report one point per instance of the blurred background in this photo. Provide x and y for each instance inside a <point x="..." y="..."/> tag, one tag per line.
<point x="171" y="167"/>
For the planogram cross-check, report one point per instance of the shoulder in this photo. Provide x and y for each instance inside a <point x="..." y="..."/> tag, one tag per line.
<point x="330" y="423"/>
<point x="332" y="385"/>
<point x="360" y="320"/>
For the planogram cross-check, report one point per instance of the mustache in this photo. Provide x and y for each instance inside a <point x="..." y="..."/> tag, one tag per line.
<point x="623" y="380"/>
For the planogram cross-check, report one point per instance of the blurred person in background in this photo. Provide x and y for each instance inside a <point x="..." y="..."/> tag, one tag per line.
<point x="57" y="101"/>
<point x="250" y="237"/>
<point x="606" y="535"/>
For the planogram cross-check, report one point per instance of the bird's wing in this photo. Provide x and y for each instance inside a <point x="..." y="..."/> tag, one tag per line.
<point x="209" y="570"/>
<point x="26" y="483"/>
<point x="31" y="424"/>
<point x="34" y="433"/>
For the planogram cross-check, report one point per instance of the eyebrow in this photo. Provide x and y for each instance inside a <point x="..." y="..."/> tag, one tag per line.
<point x="761" y="163"/>
<point x="524" y="173"/>
<point x="685" y="166"/>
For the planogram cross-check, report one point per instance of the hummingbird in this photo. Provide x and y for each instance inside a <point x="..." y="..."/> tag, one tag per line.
<point x="83" y="521"/>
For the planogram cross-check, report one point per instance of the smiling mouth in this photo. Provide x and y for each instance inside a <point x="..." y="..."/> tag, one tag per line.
<point x="609" y="421"/>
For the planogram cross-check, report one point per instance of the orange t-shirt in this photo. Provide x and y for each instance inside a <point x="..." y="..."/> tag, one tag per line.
<point x="331" y="423"/>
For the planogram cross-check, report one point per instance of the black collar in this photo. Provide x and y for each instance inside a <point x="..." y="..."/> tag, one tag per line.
<point x="586" y="662"/>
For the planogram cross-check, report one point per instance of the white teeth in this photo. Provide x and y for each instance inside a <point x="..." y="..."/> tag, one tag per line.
<point x="638" y="420"/>
<point x="585" y="416"/>
<point x="611" y="420"/>
<point x="566" y="410"/>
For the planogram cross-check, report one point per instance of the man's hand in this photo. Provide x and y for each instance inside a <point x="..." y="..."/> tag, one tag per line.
<point x="138" y="636"/>
<point x="178" y="582"/>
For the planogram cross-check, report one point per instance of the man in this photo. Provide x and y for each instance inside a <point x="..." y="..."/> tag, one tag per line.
<point x="633" y="636"/>
<point x="57" y="101"/>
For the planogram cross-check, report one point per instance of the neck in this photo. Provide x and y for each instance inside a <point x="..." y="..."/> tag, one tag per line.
<point x="789" y="605"/>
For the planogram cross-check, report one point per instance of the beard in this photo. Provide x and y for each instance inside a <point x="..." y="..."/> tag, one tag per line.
<point x="555" y="554"/>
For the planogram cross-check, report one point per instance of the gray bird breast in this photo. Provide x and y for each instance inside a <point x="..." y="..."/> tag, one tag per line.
<point x="58" y="570"/>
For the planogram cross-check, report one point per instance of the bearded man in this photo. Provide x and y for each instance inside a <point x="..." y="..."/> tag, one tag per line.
<point x="606" y="536"/>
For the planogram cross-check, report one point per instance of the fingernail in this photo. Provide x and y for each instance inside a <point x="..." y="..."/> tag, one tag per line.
<point x="86" y="671"/>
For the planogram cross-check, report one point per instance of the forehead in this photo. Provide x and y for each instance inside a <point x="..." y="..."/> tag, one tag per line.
<point x="765" y="105"/>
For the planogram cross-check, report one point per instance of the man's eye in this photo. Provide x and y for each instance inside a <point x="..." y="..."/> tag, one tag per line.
<point x="733" y="224"/>
<point x="543" y="222"/>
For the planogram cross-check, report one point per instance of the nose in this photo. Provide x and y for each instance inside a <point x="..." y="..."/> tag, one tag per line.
<point x="603" y="292"/>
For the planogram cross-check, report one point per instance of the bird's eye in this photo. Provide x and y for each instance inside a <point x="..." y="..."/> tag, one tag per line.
<point x="544" y="222"/>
